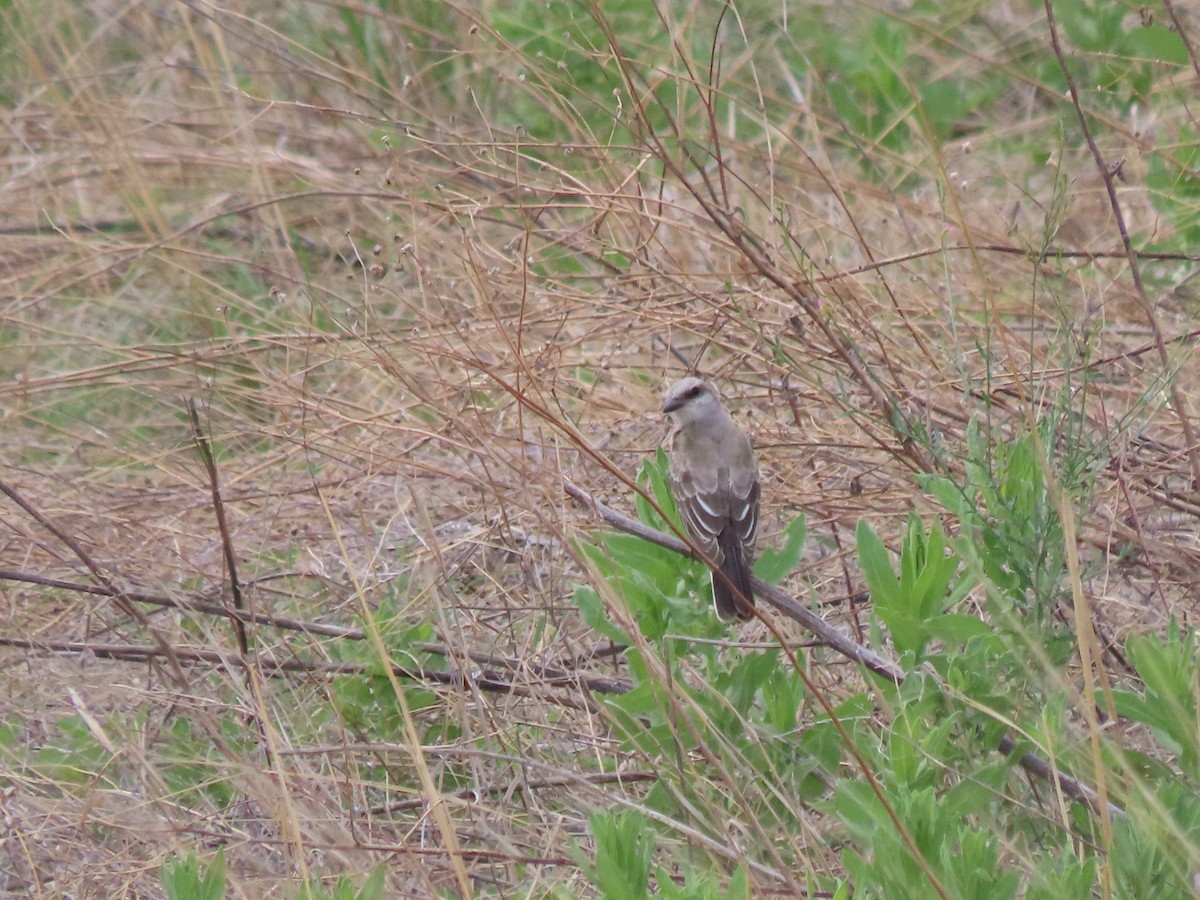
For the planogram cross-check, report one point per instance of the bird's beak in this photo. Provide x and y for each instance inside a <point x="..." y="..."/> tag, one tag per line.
<point x="671" y="404"/>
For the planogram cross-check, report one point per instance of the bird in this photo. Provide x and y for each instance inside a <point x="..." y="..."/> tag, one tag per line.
<point x="714" y="479"/>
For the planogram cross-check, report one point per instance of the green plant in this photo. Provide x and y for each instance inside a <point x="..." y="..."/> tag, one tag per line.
<point x="912" y="605"/>
<point x="964" y="858"/>
<point x="1010" y="536"/>
<point x="1168" y="702"/>
<point x="1173" y="180"/>
<point x="191" y="767"/>
<point x="624" y="852"/>
<point x="1122" y="50"/>
<point x="189" y="879"/>
<point x="568" y="71"/>
<point x="344" y="889"/>
<point x="75" y="757"/>
<point x="367" y="704"/>
<point x="1156" y="850"/>
<point x="878" y="77"/>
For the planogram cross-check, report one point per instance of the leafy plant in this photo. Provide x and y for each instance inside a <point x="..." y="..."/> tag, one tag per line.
<point x="1173" y="180"/>
<point x="1168" y="704"/>
<point x="1121" y="50"/>
<point x="75" y="756"/>
<point x="912" y="604"/>
<point x="192" y="770"/>
<point x="624" y="852"/>
<point x="964" y="859"/>
<point x="1010" y="533"/>
<point x="344" y="889"/>
<point x="568" y="58"/>
<point x="744" y="707"/>
<point x="189" y="879"/>
<point x="876" y="79"/>
<point x="773" y="565"/>
<point x="1155" y="852"/>
<point x="367" y="704"/>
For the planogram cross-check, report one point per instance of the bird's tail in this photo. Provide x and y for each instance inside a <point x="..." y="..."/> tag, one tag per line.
<point x="736" y="569"/>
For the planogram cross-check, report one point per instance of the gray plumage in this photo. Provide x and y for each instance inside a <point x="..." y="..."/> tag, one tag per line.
<point x="714" y="480"/>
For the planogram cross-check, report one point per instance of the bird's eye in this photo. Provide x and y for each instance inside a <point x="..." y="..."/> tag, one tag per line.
<point x="695" y="391"/>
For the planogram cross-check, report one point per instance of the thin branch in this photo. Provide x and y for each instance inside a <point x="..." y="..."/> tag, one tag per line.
<point x="189" y="604"/>
<point x="214" y="482"/>
<point x="1177" y="25"/>
<point x="488" y="682"/>
<point x="118" y="596"/>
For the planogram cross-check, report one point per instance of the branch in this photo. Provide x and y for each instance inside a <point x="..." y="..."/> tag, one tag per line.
<point x="191" y="604"/>
<point x="119" y="597"/>
<point x="488" y="682"/>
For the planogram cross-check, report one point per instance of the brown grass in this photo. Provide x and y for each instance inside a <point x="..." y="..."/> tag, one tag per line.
<point x="403" y="320"/>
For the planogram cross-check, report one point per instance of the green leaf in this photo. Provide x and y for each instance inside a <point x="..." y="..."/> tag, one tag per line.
<point x="591" y="607"/>
<point x="1146" y="766"/>
<point x="1136" y="707"/>
<point x="860" y="812"/>
<point x="739" y="884"/>
<point x="928" y="570"/>
<point x="653" y="478"/>
<point x="775" y="565"/>
<point x="624" y="850"/>
<point x="956" y="629"/>
<point x="182" y="879"/>
<point x="1167" y="666"/>
<point x="631" y="554"/>
<point x="741" y="684"/>
<point x="947" y="493"/>
<point x="876" y="565"/>
<point x="1157" y="43"/>
<point x="781" y="696"/>
<point x="909" y="634"/>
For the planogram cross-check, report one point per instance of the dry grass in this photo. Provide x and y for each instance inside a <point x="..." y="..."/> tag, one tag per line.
<point x="404" y="317"/>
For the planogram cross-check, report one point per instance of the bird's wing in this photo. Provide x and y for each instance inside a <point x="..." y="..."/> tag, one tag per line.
<point x="718" y="504"/>
<point x="742" y="507"/>
<point x="712" y="495"/>
<point x="701" y="508"/>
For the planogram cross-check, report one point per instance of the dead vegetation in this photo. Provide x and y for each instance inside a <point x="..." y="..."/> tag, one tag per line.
<point x="404" y="315"/>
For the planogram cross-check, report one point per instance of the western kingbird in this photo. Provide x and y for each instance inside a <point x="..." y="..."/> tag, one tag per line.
<point x="714" y="480"/>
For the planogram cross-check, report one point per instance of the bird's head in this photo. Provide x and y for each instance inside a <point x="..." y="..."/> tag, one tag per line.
<point x="690" y="399"/>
